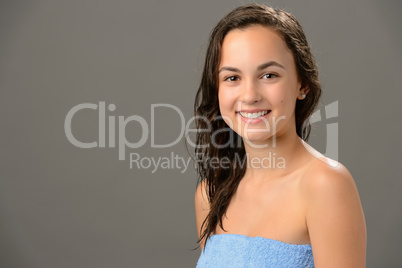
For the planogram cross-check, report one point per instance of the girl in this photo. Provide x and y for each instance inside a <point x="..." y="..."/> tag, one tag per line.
<point x="266" y="198"/>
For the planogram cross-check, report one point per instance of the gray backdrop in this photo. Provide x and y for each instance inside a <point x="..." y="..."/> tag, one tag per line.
<point x="64" y="206"/>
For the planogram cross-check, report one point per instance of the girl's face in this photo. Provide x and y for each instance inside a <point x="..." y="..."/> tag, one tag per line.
<point x="258" y="84"/>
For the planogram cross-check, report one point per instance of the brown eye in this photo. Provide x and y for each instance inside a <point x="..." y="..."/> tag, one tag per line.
<point x="232" y="78"/>
<point x="269" y="76"/>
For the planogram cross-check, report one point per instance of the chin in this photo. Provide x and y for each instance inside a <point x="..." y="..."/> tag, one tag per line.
<point x="257" y="138"/>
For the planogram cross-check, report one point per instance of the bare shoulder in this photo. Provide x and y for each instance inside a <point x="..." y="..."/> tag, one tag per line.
<point x="201" y="207"/>
<point x="327" y="179"/>
<point x="334" y="215"/>
<point x="325" y="172"/>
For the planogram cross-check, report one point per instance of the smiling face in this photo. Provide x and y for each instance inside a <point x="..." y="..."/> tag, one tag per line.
<point x="258" y="84"/>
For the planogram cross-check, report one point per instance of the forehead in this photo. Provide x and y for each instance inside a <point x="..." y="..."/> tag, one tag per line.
<point x="254" y="45"/>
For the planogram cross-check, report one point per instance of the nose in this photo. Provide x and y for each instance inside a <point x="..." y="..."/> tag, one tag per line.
<point x="250" y="92"/>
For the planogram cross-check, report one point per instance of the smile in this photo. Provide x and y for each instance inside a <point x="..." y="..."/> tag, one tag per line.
<point x="253" y="115"/>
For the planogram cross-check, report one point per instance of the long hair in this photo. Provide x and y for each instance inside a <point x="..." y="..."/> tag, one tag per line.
<point x="221" y="182"/>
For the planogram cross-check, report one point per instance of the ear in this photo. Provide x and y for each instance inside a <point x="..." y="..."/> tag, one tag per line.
<point x="304" y="89"/>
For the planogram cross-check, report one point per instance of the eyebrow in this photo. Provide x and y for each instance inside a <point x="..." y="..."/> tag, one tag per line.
<point x="259" y="68"/>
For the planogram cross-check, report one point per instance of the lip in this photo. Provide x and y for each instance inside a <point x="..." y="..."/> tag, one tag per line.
<point x="253" y="120"/>
<point x="253" y="110"/>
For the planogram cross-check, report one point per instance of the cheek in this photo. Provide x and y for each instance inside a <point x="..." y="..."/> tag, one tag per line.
<point x="278" y="97"/>
<point x="225" y="101"/>
<point x="281" y="99"/>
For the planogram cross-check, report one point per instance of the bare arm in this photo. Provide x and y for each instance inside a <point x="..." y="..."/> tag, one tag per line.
<point x="201" y="209"/>
<point x="335" y="219"/>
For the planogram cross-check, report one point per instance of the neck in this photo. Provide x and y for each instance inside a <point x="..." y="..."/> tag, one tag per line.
<point x="275" y="157"/>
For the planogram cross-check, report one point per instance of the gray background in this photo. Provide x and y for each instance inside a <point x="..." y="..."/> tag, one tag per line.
<point x="63" y="206"/>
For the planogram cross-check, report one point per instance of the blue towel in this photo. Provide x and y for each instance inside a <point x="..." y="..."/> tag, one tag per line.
<point x="235" y="250"/>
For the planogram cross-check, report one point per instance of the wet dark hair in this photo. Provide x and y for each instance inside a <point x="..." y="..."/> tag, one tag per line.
<point x="222" y="182"/>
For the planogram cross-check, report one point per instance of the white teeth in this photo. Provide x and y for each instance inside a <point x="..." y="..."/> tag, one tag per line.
<point x="253" y="115"/>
